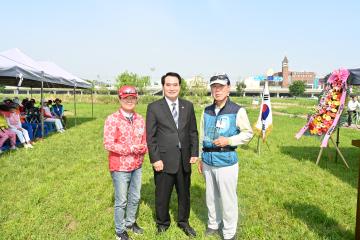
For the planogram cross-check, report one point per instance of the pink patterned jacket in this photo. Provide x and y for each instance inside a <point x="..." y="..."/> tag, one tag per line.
<point x="120" y="135"/>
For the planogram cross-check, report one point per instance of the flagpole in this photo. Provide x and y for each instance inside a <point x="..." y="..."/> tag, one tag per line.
<point x="264" y="121"/>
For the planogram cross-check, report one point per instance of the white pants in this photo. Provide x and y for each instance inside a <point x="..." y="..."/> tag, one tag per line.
<point x="57" y="122"/>
<point x="22" y="134"/>
<point x="221" y="197"/>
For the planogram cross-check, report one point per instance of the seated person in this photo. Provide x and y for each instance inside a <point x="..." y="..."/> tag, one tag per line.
<point x="14" y="123"/>
<point x="8" y="101"/>
<point x="5" y="133"/>
<point x="58" y="111"/>
<point x="48" y="117"/>
<point x="49" y="103"/>
<point x="32" y="112"/>
<point x="16" y="100"/>
<point x="23" y="105"/>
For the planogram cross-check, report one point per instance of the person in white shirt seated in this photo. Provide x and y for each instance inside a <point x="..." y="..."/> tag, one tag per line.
<point x="353" y="106"/>
<point x="14" y="123"/>
<point x="48" y="117"/>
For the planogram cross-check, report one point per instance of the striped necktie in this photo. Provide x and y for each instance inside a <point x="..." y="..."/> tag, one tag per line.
<point x="175" y="114"/>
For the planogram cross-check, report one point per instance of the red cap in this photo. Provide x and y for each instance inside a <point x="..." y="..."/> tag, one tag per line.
<point x="126" y="91"/>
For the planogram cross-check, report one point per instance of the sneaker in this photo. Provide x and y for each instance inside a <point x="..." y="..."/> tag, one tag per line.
<point x="122" y="236"/>
<point x="135" y="228"/>
<point x="13" y="148"/>
<point x="1" y="151"/>
<point x="26" y="145"/>
<point x="30" y="146"/>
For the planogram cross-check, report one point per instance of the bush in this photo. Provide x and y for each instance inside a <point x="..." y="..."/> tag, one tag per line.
<point x="146" y="99"/>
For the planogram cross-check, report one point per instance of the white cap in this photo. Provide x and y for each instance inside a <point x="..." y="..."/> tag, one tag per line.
<point x="222" y="79"/>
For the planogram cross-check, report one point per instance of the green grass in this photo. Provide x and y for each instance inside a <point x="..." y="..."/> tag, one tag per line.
<point x="62" y="189"/>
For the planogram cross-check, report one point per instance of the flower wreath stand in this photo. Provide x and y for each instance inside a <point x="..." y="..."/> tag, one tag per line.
<point x="337" y="150"/>
<point x="326" y="119"/>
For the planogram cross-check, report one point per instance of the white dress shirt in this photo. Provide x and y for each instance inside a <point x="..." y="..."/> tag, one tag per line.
<point x="352" y="105"/>
<point x="169" y="102"/>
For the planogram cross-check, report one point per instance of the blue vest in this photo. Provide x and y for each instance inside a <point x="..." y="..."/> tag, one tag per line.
<point x="223" y="124"/>
<point x="58" y="110"/>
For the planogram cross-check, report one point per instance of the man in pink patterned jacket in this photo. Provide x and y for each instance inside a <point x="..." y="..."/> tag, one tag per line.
<point x="125" y="139"/>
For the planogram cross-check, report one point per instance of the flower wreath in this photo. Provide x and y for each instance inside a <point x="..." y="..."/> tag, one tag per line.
<point x="330" y="107"/>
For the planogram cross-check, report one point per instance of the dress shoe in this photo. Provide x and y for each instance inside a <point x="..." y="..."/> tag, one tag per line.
<point x="162" y="228"/>
<point x="135" y="228"/>
<point x="210" y="231"/>
<point x="189" y="231"/>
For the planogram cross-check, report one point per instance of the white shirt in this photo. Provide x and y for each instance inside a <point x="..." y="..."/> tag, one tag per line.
<point x="47" y="111"/>
<point x="352" y="105"/>
<point x="169" y="102"/>
<point x="126" y="114"/>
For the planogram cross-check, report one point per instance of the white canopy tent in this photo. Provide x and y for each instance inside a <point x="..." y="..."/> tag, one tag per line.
<point x="15" y="65"/>
<point x="59" y="73"/>
<point x="18" y="69"/>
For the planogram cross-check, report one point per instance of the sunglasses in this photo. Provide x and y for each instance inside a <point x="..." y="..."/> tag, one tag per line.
<point x="220" y="77"/>
<point x="129" y="91"/>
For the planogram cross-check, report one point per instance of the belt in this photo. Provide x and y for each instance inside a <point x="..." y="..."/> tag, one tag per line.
<point x="219" y="149"/>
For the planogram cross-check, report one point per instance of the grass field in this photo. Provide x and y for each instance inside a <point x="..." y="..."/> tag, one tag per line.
<point x="62" y="189"/>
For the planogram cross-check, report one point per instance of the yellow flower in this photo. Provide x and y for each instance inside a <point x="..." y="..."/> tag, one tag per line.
<point x="334" y="110"/>
<point x="336" y="103"/>
<point x="314" y="131"/>
<point x="328" y="118"/>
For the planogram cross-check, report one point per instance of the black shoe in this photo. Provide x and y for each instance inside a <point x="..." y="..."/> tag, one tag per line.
<point x="189" y="231"/>
<point x="135" y="228"/>
<point x="210" y="231"/>
<point x="122" y="236"/>
<point x="162" y="228"/>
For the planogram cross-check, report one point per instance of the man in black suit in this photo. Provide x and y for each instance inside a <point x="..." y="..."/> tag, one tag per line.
<point x="173" y="144"/>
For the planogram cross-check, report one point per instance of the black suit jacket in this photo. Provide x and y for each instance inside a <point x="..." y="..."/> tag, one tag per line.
<point x="163" y="136"/>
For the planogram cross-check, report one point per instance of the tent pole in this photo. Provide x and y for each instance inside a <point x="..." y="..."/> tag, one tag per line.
<point x="31" y="92"/>
<point x="42" y="104"/>
<point x="75" y="102"/>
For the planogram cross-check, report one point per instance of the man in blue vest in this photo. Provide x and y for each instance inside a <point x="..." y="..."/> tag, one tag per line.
<point x="58" y="111"/>
<point x="224" y="125"/>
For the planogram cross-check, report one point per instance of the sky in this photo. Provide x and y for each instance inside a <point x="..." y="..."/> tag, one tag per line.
<point x="98" y="40"/>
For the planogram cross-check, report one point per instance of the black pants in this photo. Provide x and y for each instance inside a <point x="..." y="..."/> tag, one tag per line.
<point x="164" y="183"/>
<point x="350" y="117"/>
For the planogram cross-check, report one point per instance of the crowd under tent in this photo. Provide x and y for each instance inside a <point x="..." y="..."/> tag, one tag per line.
<point x="19" y="70"/>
